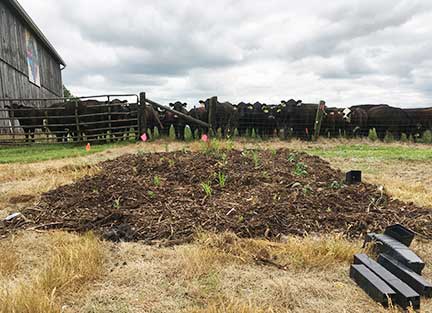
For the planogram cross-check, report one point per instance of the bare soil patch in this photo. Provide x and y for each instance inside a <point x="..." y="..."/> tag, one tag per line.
<point x="160" y="196"/>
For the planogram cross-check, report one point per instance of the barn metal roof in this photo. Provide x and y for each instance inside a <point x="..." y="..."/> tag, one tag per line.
<point x="30" y="23"/>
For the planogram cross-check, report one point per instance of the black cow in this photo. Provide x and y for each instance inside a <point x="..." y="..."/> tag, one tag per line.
<point x="388" y="119"/>
<point x="29" y="118"/>
<point x="333" y="122"/>
<point x="266" y="120"/>
<point x="178" y="121"/>
<point x="421" y="119"/>
<point x="201" y="114"/>
<point x="356" y="119"/>
<point x="61" y="120"/>
<point x="299" y="117"/>
<point x="245" y="117"/>
<point x="225" y="117"/>
<point x="367" y="107"/>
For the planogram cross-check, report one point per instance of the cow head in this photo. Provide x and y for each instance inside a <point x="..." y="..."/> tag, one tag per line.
<point x="178" y="106"/>
<point x="347" y="114"/>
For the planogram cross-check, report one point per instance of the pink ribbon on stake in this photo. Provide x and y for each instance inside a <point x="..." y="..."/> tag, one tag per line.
<point x="205" y="138"/>
<point x="144" y="137"/>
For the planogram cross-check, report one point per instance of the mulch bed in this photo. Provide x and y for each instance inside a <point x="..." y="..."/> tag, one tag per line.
<point x="154" y="197"/>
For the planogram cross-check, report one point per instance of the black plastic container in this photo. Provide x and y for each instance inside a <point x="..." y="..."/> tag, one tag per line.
<point x="353" y="177"/>
<point x="400" y="233"/>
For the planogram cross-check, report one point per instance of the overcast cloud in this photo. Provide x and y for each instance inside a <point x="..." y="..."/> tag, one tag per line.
<point x="345" y="52"/>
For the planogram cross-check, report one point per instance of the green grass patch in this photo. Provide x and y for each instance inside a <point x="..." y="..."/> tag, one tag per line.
<point x="35" y="153"/>
<point x="382" y="152"/>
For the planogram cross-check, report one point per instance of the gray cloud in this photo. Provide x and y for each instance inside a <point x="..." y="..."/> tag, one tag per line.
<point x="345" y="52"/>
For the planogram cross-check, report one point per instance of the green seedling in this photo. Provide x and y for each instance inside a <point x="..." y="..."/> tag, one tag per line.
<point x="300" y="169"/>
<point x="116" y="203"/>
<point x="156" y="181"/>
<point x="335" y="185"/>
<point x="307" y="190"/>
<point x="256" y="158"/>
<point x="207" y="189"/>
<point x="291" y="157"/>
<point x="221" y="179"/>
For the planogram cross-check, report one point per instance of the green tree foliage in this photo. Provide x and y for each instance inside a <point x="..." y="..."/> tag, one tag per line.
<point x="67" y="93"/>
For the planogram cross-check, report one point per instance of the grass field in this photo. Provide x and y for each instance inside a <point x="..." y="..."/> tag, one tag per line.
<point x="61" y="272"/>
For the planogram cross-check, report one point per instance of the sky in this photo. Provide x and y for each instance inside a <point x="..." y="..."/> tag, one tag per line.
<point x="343" y="52"/>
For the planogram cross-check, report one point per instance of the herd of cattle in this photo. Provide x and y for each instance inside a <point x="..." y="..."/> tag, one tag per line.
<point x="293" y="118"/>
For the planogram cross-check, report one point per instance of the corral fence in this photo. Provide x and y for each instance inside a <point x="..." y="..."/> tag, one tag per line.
<point x="101" y="118"/>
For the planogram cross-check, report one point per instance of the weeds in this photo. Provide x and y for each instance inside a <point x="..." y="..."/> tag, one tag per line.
<point x="335" y="185"/>
<point x="207" y="189"/>
<point x="300" y="169"/>
<point x="221" y="179"/>
<point x="291" y="158"/>
<point x="117" y="204"/>
<point x="307" y="190"/>
<point x="156" y="181"/>
<point x="256" y="159"/>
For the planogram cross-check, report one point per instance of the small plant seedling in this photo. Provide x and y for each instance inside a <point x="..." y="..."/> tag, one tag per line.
<point x="171" y="162"/>
<point x="292" y="157"/>
<point x="335" y="185"/>
<point x="300" y="169"/>
<point x="307" y="190"/>
<point x="156" y="181"/>
<point x="116" y="203"/>
<point x="273" y="152"/>
<point x="207" y="189"/>
<point x="221" y="179"/>
<point x="151" y="194"/>
<point x="256" y="158"/>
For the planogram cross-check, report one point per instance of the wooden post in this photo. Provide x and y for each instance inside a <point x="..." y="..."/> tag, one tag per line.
<point x="109" y="121"/>
<point x="212" y="114"/>
<point x="142" y="115"/>
<point x="77" y="122"/>
<point x="12" y="117"/>
<point x="318" y="119"/>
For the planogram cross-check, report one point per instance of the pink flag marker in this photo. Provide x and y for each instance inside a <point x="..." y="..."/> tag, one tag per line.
<point x="144" y="137"/>
<point x="205" y="138"/>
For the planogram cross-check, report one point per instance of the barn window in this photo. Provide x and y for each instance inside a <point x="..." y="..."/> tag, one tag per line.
<point x="32" y="59"/>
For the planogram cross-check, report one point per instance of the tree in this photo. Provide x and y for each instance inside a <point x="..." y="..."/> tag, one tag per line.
<point x="67" y="93"/>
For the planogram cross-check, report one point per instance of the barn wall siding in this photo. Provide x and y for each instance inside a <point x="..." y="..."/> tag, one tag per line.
<point x="14" y="80"/>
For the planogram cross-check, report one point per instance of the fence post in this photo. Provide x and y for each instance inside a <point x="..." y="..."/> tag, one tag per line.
<point x="77" y="122"/>
<point x="12" y="118"/>
<point x="109" y="120"/>
<point x="212" y="114"/>
<point x="318" y="119"/>
<point x="142" y="115"/>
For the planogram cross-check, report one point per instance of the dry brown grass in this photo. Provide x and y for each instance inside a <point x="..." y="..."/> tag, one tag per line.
<point x="230" y="306"/>
<point x="292" y="253"/>
<point x="217" y="273"/>
<point x="71" y="262"/>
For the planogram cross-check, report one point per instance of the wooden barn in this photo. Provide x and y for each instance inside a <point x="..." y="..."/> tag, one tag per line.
<point x="30" y="67"/>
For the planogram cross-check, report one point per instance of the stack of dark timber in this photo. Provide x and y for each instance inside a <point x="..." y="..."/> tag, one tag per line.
<point x="395" y="277"/>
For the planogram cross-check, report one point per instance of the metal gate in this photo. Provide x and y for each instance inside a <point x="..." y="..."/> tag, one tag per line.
<point x="99" y="118"/>
<point x="102" y="118"/>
